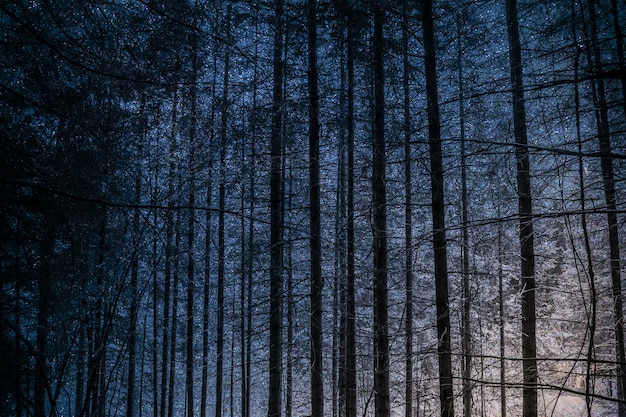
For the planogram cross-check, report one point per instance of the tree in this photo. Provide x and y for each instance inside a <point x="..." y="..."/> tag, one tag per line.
<point x="191" y="279"/>
<point x="466" y="332"/>
<point x="608" y="181"/>
<point x="317" y="283"/>
<point x="408" y="217"/>
<point x="379" y="223"/>
<point x="221" y="242"/>
<point x="527" y="251"/>
<point x="275" y="347"/>
<point x="444" y="348"/>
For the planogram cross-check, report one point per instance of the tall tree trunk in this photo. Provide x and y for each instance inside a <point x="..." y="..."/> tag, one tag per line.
<point x="41" y="360"/>
<point x="379" y="203"/>
<point x="221" y="243"/>
<point x="94" y="398"/>
<point x="317" y="283"/>
<point x="155" y="312"/>
<point x="275" y="319"/>
<point x="408" y="219"/>
<point x="174" y="339"/>
<point x="206" y="305"/>
<point x="242" y="279"/>
<point x="351" y="394"/>
<point x="81" y="348"/>
<point x="191" y="281"/>
<point x="251" y="223"/>
<point x="290" y="303"/>
<point x="444" y="349"/>
<point x="132" y="328"/>
<point x="527" y="252"/>
<point x="608" y="179"/>
<point x="155" y="275"/>
<point x="339" y="290"/>
<point x="593" y="295"/>
<point x="17" y="366"/>
<point x="501" y="321"/>
<point x="169" y="262"/>
<point x="466" y="331"/>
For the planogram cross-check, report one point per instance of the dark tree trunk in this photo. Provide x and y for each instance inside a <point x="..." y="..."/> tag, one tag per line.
<point x="379" y="203"/>
<point x="221" y="243"/>
<point x="339" y="290"/>
<point x="408" y="219"/>
<point x="206" y="305"/>
<point x="446" y="394"/>
<point x="275" y="319"/>
<point x="527" y="252"/>
<point x="466" y="331"/>
<point x="191" y="282"/>
<point x="41" y="365"/>
<point x="251" y="248"/>
<point x="351" y="396"/>
<point x="242" y="283"/>
<point x="316" y="361"/>
<point x="501" y="322"/>
<point x="608" y="179"/>
<point x="290" y="302"/>
<point x="169" y="262"/>
<point x="132" y="329"/>
<point x="174" y="334"/>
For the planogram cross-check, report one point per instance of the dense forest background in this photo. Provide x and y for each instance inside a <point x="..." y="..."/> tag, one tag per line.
<point x="312" y="207"/>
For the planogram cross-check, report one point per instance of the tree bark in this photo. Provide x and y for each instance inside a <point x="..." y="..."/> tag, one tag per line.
<point x="446" y="394"/>
<point x="190" y="351"/>
<point x="351" y="394"/>
<point x="169" y="262"/>
<point x="132" y="328"/>
<point x="174" y="335"/>
<point x="501" y="321"/>
<point x="408" y="219"/>
<point x="608" y="180"/>
<point x="466" y="331"/>
<point x="317" y="283"/>
<point x="275" y="319"/>
<point x="221" y="243"/>
<point x="43" y="303"/>
<point x="379" y="203"/>
<point x="527" y="252"/>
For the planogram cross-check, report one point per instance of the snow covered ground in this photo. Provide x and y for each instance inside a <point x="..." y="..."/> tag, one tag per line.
<point x="567" y="405"/>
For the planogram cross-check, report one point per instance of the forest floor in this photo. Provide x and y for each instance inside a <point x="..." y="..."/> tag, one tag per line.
<point x="567" y="405"/>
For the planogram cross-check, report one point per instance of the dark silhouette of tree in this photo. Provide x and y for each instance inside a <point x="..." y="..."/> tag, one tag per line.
<point x="317" y="283"/>
<point x="608" y="181"/>
<point x="379" y="222"/>
<point x="527" y="251"/>
<point x="276" y="244"/>
<point x="444" y="348"/>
